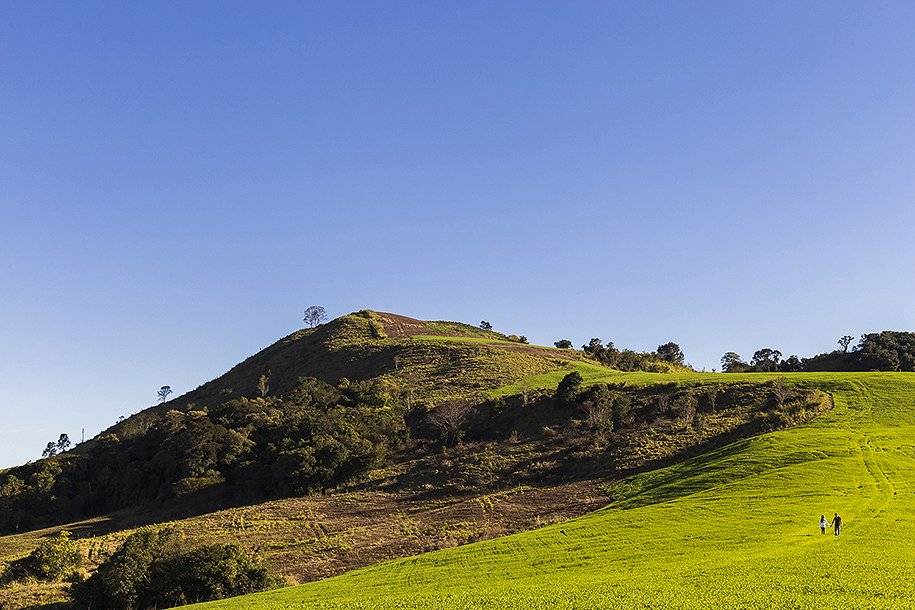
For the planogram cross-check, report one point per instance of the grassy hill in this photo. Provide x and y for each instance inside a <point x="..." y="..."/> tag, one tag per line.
<point x="732" y="528"/>
<point x="433" y="360"/>
<point x="528" y="460"/>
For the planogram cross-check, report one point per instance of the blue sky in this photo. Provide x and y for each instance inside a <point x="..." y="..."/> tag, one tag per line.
<point x="178" y="181"/>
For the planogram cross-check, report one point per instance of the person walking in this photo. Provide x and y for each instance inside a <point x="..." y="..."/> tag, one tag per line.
<point x="837" y="523"/>
<point x="823" y="524"/>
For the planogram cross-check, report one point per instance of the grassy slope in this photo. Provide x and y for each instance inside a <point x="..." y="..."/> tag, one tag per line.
<point x="733" y="528"/>
<point x="437" y="360"/>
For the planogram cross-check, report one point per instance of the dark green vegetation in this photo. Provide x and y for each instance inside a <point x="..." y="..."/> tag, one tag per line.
<point x="150" y="570"/>
<point x="313" y="437"/>
<point x="883" y="351"/>
<point x="628" y="360"/>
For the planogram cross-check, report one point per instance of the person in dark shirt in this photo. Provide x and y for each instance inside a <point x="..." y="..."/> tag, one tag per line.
<point x="837" y="523"/>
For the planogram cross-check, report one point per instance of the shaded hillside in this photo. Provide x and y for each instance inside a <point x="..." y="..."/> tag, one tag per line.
<point x="317" y="408"/>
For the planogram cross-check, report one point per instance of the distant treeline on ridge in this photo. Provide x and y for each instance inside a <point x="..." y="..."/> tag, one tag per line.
<point x="884" y="351"/>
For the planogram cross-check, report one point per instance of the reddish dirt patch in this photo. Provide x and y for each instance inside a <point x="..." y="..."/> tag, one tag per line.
<point x="400" y="326"/>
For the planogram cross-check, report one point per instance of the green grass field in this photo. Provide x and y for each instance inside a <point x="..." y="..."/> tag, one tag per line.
<point x="734" y="528"/>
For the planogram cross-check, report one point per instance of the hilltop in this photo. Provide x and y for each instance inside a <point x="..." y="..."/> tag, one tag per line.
<point x="433" y="361"/>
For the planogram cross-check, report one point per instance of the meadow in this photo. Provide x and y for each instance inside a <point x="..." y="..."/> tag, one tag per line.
<point x="736" y="527"/>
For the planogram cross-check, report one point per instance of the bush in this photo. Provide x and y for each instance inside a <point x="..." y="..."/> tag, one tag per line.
<point x="122" y="580"/>
<point x="150" y="571"/>
<point x="567" y="391"/>
<point x="54" y="558"/>
<point x="210" y="572"/>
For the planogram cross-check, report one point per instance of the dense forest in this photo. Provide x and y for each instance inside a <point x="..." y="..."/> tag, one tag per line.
<point x="312" y="438"/>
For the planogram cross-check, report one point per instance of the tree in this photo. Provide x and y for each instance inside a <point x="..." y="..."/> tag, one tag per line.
<point x="525" y="392"/>
<point x="622" y="407"/>
<point x="163" y="392"/>
<point x="686" y="408"/>
<point x="567" y="390"/>
<point x="766" y="359"/>
<point x="63" y="443"/>
<point x="263" y="384"/>
<point x="780" y="392"/>
<point x="599" y="414"/>
<point x="791" y="364"/>
<point x="671" y="352"/>
<point x="449" y="418"/>
<point x="845" y="341"/>
<point x="50" y="450"/>
<point x="593" y="347"/>
<point x="485" y="325"/>
<point x="731" y="362"/>
<point x="315" y="316"/>
<point x="563" y="344"/>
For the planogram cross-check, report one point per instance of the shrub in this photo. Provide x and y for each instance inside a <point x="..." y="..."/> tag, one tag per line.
<point x="54" y="558"/>
<point x="210" y="572"/>
<point x="122" y="580"/>
<point x="149" y="570"/>
<point x="567" y="390"/>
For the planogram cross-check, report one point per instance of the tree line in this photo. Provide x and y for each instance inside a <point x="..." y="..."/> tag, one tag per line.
<point x="883" y="351"/>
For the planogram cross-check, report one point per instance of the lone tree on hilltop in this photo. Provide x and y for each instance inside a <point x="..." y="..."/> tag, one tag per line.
<point x="163" y="392"/>
<point x="485" y="325"/>
<point x="315" y="316"/>
<point x="563" y="344"/>
<point x="671" y="352"/>
<point x="845" y="341"/>
<point x="52" y="448"/>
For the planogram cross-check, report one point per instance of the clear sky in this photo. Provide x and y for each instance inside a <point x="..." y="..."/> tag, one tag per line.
<point x="179" y="180"/>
